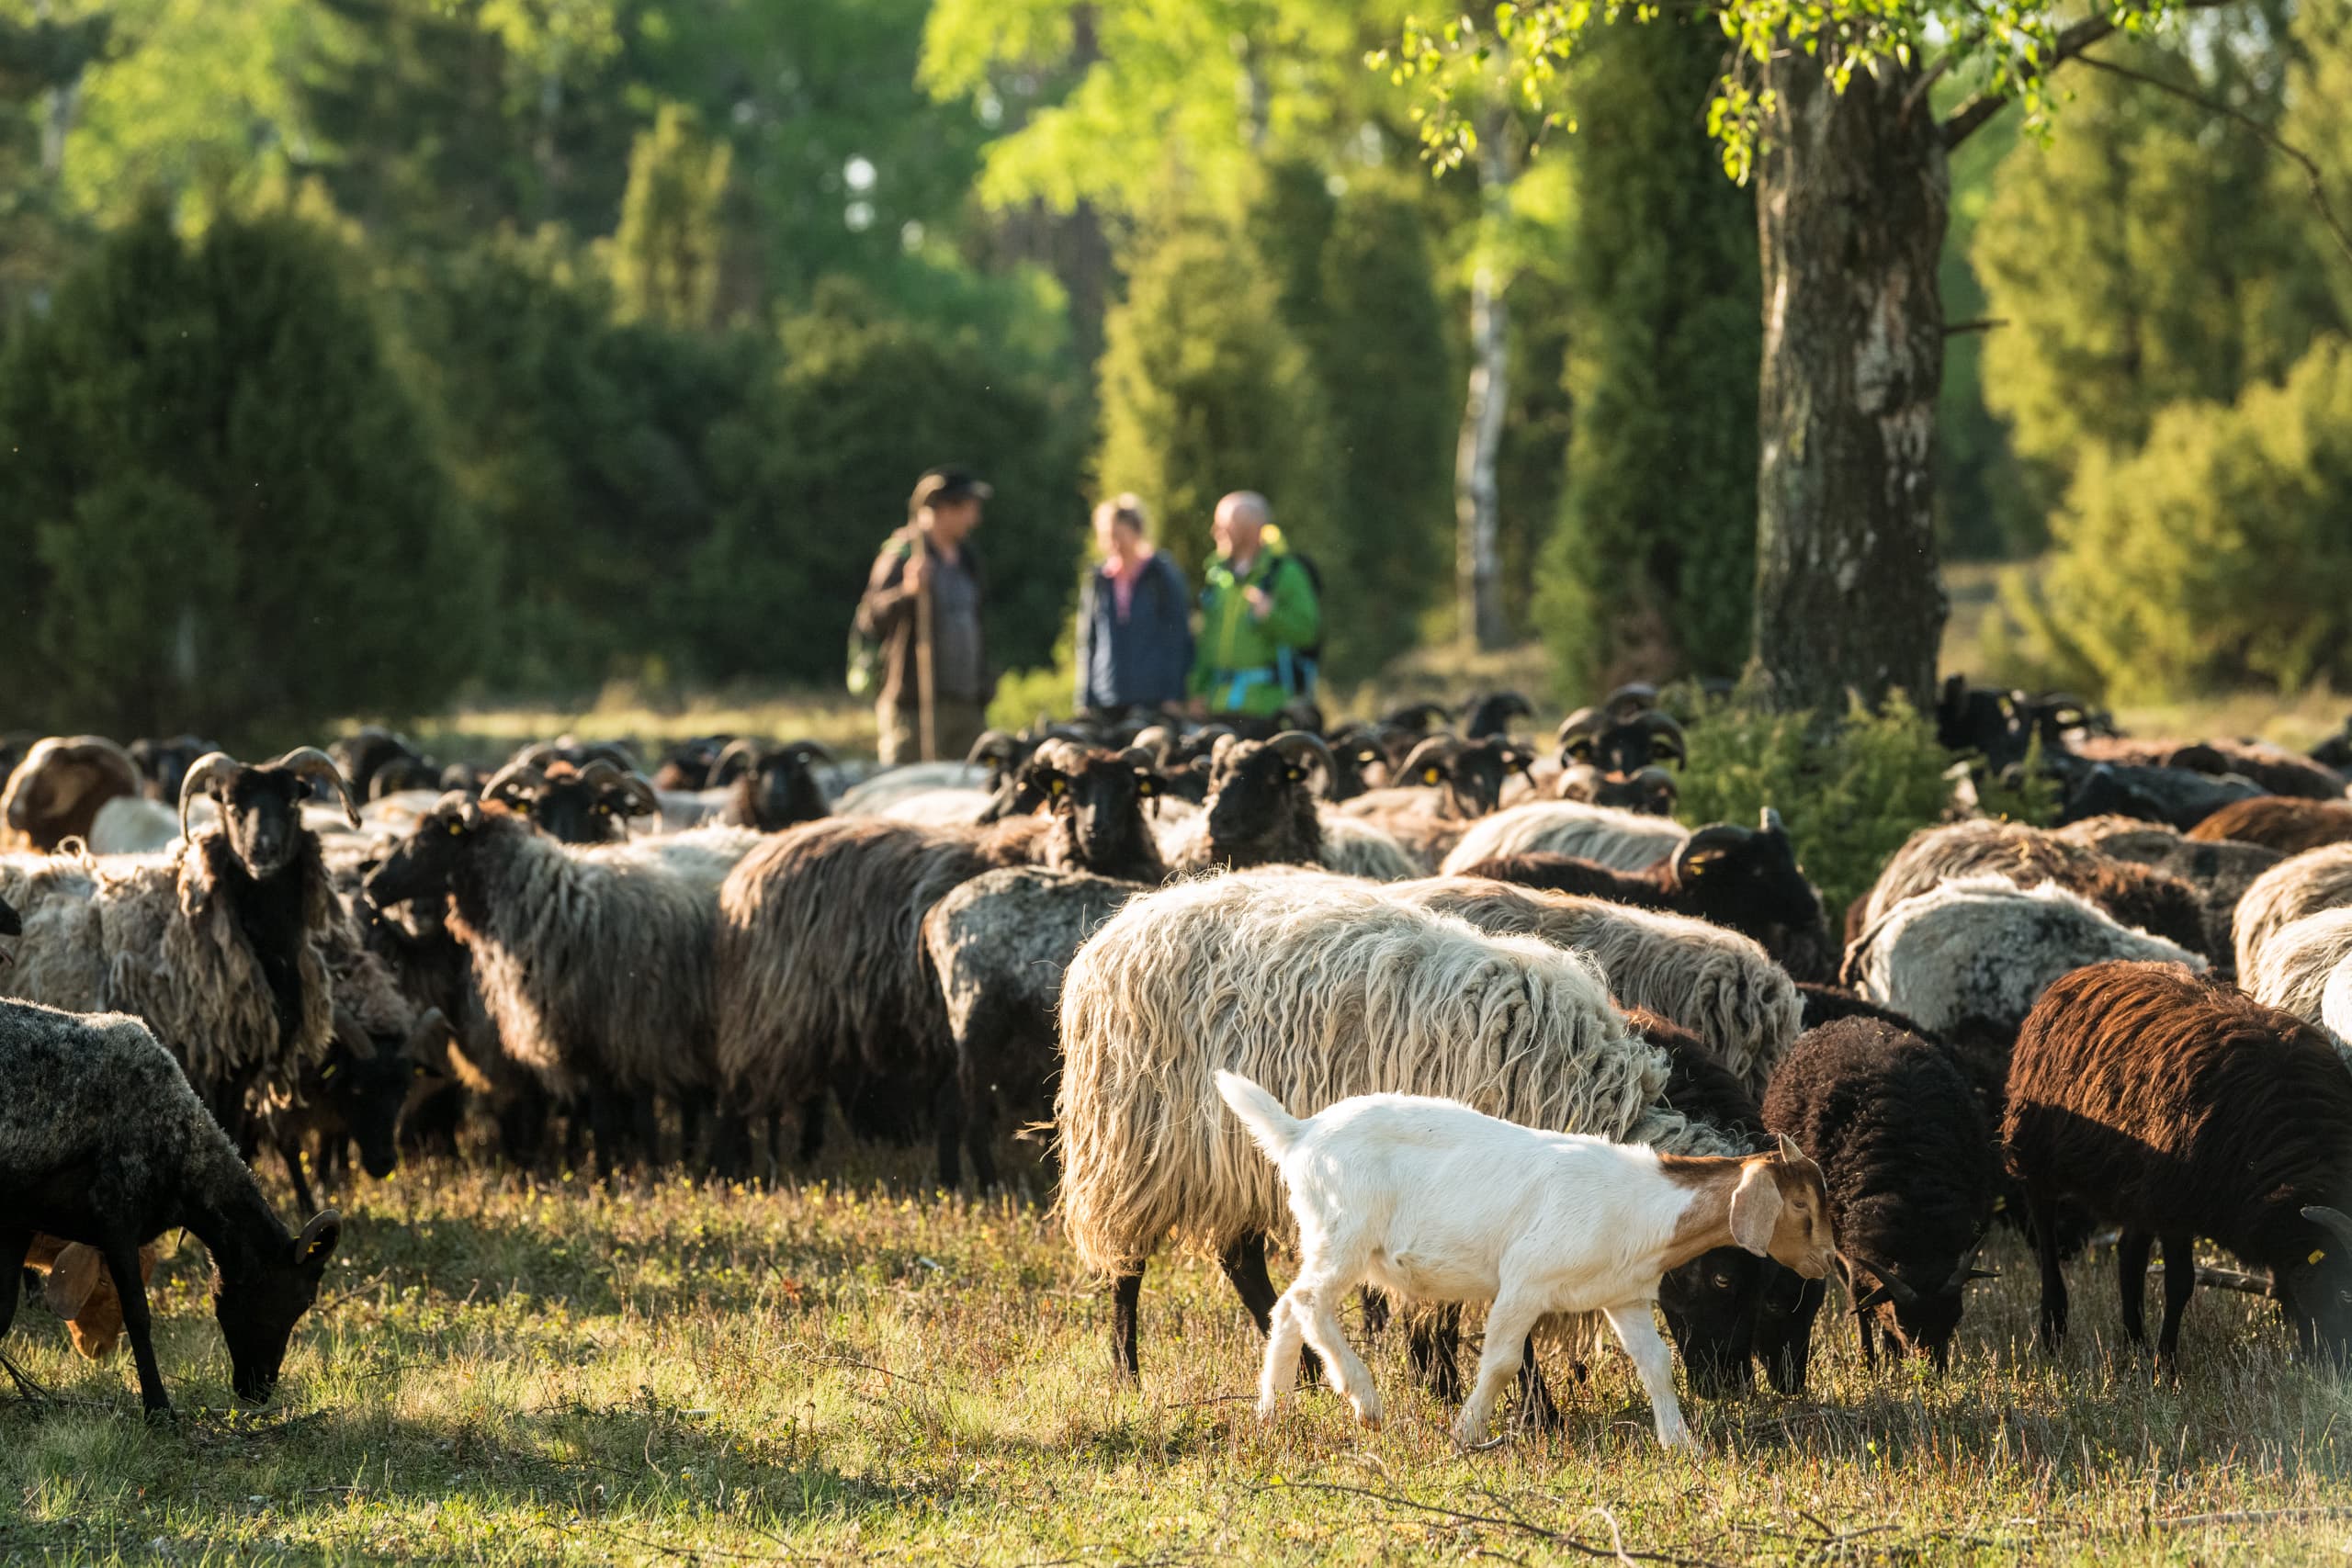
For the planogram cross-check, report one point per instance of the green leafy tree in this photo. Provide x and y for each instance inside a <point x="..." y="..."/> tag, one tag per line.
<point x="1205" y="390"/>
<point x="2149" y="252"/>
<point x="666" y="256"/>
<point x="237" y="524"/>
<point x="1652" y="569"/>
<point x="2219" y="554"/>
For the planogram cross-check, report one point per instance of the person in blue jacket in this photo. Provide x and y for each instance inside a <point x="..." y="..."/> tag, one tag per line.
<point x="1135" y="631"/>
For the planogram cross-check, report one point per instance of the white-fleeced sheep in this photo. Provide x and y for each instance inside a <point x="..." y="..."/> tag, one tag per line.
<point x="1622" y="840"/>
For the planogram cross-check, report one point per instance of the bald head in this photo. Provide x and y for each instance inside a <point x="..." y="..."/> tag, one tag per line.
<point x="1241" y="517"/>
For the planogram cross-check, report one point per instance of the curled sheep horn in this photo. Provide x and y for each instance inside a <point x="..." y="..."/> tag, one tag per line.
<point x="741" y="746"/>
<point x="515" y="785"/>
<point x="539" y="754"/>
<point x="1294" y="743"/>
<point x="633" y="788"/>
<point x="994" y="748"/>
<point x="199" y="780"/>
<point x="2332" y="1220"/>
<point x="314" y="766"/>
<point x="1666" y="736"/>
<point x="1890" y="1288"/>
<point x="1438" y="751"/>
<point x="1630" y="699"/>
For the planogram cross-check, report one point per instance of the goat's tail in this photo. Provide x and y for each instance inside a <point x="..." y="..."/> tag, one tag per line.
<point x="1271" y="1128"/>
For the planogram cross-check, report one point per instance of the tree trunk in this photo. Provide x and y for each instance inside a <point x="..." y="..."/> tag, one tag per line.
<point x="1851" y="204"/>
<point x="1477" y="498"/>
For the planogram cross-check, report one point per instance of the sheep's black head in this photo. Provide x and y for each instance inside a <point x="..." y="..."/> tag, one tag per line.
<point x="1489" y="714"/>
<point x="587" y="805"/>
<point x="2315" y="1290"/>
<point x="1919" y="1315"/>
<point x="1710" y="1304"/>
<point x="1472" y="773"/>
<point x="404" y="772"/>
<point x="261" y="805"/>
<point x="694" y="764"/>
<point x="1357" y="750"/>
<point x="1005" y="755"/>
<point x="261" y="1302"/>
<point x="1102" y="798"/>
<point x="1747" y="879"/>
<point x="367" y="751"/>
<point x="1261" y="790"/>
<point x="55" y="792"/>
<point x="424" y="867"/>
<point x="1786" y="1304"/>
<point x="1617" y="755"/>
<point x="773" y="784"/>
<point x="165" y="762"/>
<point x="369" y="1077"/>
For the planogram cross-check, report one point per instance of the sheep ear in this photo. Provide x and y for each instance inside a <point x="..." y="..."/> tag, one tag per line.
<point x="1754" y="1210"/>
<point x="72" y="1279"/>
<point x="1788" y="1150"/>
<point x="317" y="1242"/>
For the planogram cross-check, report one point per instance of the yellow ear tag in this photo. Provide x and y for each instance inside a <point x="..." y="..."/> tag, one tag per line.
<point x="1294" y="775"/>
<point x="2316" y="1255"/>
<point x="1147" y="788"/>
<point x="1054" y="788"/>
<point x="456" y="829"/>
<point x="1431" y="776"/>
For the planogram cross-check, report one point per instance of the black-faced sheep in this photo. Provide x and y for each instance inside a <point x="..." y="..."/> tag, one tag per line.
<point x="1616" y="755"/>
<point x="217" y="946"/>
<point x="1317" y="986"/>
<point x="587" y="805"/>
<point x="773" y="787"/>
<point x="102" y="1141"/>
<point x="2279" y="822"/>
<point x="164" y="762"/>
<point x="1895" y="1127"/>
<point x="1441" y="786"/>
<point x="2176" y="1107"/>
<point x="1260" y="808"/>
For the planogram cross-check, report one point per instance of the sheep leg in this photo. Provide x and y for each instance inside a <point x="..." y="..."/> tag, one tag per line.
<point x="2132" y="1280"/>
<point x="812" y="1127"/>
<point x="947" y="1131"/>
<point x="1536" y="1407"/>
<point x="123" y="1262"/>
<point x="645" y="1131"/>
<point x="290" y="1151"/>
<point x="604" y="1122"/>
<point x="2180" y="1280"/>
<point x="1375" y="1311"/>
<point x="2041" y="1213"/>
<point x="1509" y="1322"/>
<point x="1637" y="1331"/>
<point x="1127" y="1290"/>
<point x="14" y="1246"/>
<point x="1244" y="1263"/>
<point x="1431" y="1344"/>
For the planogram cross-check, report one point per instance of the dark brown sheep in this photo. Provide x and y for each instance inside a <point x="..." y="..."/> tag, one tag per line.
<point x="2278" y="822"/>
<point x="2178" y="1107"/>
<point x="2275" y="768"/>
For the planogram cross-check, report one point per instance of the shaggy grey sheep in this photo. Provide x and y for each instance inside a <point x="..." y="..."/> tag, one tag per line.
<point x="1622" y="840"/>
<point x="1980" y="950"/>
<point x="2294" y="966"/>
<point x="2134" y="894"/>
<point x="102" y="1141"/>
<point x="2298" y="885"/>
<point x="2222" y="873"/>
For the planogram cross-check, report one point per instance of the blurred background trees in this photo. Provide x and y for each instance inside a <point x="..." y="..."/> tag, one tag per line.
<point x="525" y="345"/>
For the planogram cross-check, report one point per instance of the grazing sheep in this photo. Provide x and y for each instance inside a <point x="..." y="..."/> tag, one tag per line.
<point x="2278" y="822"/>
<point x="596" y="962"/>
<point x="1444" y="782"/>
<point x="2176" y="1107"/>
<point x="587" y="805"/>
<point x="2274" y="768"/>
<point x="1908" y="1159"/>
<point x="1364" y="848"/>
<point x="57" y="792"/>
<point x="2296" y="887"/>
<point x="1327" y="987"/>
<point x="164" y="763"/>
<point x="2293" y="968"/>
<point x="217" y="946"/>
<point x="1437" y="1201"/>
<point x="1980" y="950"/>
<point x="102" y="1141"/>
<point x="1718" y="984"/>
<point x="2335" y="1003"/>
<point x="2220" y="872"/>
<point x="1622" y="840"/>
<point x="2176" y="797"/>
<point x="2135" y="895"/>
<point x="1000" y="944"/>
<point x="1745" y="879"/>
<point x="1615" y="754"/>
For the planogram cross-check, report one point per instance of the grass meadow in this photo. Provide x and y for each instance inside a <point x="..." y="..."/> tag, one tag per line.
<point x="508" y="1369"/>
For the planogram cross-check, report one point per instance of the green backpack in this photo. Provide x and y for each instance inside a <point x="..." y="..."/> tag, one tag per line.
<point x="866" y="652"/>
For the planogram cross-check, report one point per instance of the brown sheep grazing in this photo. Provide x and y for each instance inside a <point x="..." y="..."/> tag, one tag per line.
<point x="2278" y="822"/>
<point x="2178" y="1107"/>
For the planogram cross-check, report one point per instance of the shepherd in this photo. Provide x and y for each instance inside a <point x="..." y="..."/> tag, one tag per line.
<point x="918" y="625"/>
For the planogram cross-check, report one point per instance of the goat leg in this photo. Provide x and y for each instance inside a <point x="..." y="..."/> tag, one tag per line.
<point x="1244" y="1263"/>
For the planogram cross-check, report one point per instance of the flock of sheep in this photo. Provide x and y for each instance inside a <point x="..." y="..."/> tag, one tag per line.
<point x="2138" y="1019"/>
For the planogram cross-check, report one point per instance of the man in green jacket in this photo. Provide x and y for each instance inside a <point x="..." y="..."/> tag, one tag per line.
<point x="1260" y="621"/>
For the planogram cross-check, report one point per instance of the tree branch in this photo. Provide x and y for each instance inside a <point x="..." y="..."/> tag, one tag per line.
<point x="2262" y="133"/>
<point x="1967" y="119"/>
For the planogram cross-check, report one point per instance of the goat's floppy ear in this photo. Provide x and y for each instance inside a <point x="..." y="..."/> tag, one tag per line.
<point x="1756" y="1209"/>
<point x="72" y="1279"/>
<point x="316" y="1244"/>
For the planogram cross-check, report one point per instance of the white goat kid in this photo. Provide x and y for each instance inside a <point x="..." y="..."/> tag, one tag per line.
<point x="1438" y="1203"/>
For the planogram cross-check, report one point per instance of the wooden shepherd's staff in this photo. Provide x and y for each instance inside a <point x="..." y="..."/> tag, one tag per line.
<point x="926" y="717"/>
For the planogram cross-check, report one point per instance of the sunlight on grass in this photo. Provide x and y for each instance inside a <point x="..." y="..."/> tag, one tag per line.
<point x="512" y="1372"/>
